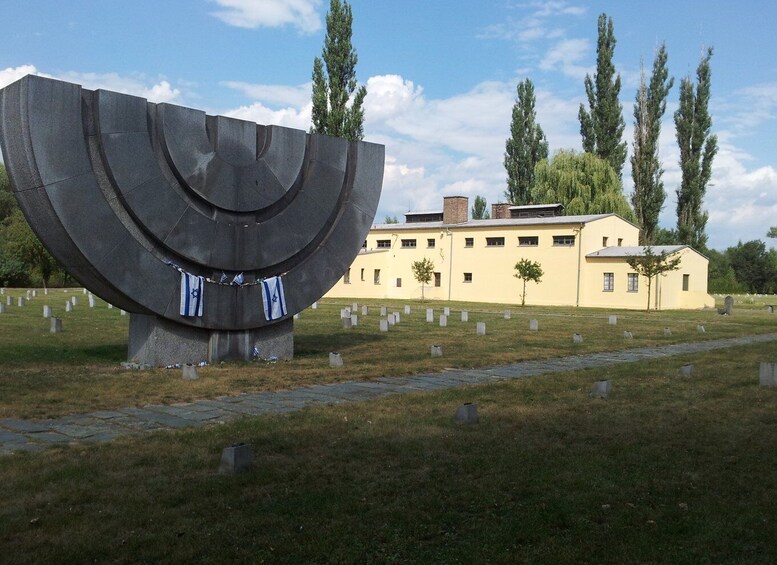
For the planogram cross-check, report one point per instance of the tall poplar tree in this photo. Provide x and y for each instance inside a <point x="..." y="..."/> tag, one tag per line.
<point x="525" y="147"/>
<point x="601" y="127"/>
<point x="697" y="150"/>
<point x="334" y="86"/>
<point x="646" y="170"/>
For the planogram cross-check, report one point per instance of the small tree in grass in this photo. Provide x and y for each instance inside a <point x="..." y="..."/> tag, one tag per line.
<point x="527" y="271"/>
<point x="423" y="271"/>
<point x="650" y="265"/>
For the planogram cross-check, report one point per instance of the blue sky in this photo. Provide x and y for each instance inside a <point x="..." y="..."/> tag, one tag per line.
<point x="441" y="78"/>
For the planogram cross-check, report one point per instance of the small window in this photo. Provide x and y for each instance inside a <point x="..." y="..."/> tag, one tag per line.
<point x="604" y="241"/>
<point x="620" y="242"/>
<point x="563" y="240"/>
<point x="399" y="283"/>
<point x="686" y="281"/>
<point x="609" y="282"/>
<point x="469" y="242"/>
<point x="376" y="276"/>
<point x="495" y="242"/>
<point x="633" y="282"/>
<point x="408" y="244"/>
<point x="529" y="241"/>
<point x="430" y="243"/>
<point x="467" y="277"/>
<point x="347" y="276"/>
<point x="437" y="279"/>
<point x="362" y="274"/>
<point x="384" y="243"/>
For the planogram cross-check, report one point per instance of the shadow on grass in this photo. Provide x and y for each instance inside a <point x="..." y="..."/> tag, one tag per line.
<point x="316" y="344"/>
<point x="52" y="353"/>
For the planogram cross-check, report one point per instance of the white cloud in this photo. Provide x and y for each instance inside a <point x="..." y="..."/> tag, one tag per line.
<point x="302" y="14"/>
<point x="566" y="56"/>
<point x="289" y="117"/>
<point x="273" y="93"/>
<point x="12" y="74"/>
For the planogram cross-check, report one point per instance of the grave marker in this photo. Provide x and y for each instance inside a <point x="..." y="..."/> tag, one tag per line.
<point x="396" y="317"/>
<point x="354" y="307"/>
<point x="55" y="325"/>
<point x="446" y="310"/>
<point x="347" y="324"/>
<point x="364" y="310"/>
<point x="354" y="319"/>
<point x="508" y="314"/>
<point x="464" y="316"/>
<point x="601" y="389"/>
<point x="2" y="308"/>
<point x="700" y="329"/>
<point x="577" y="338"/>
<point x="627" y="335"/>
<point x="436" y="351"/>
<point x="534" y="325"/>
<point x="480" y="328"/>
<point x="429" y="315"/>
<point x="667" y="331"/>
<point x="382" y="310"/>
<point x="74" y="301"/>
<point x="467" y="413"/>
<point x="68" y="306"/>
<point x="728" y="306"/>
<point x="190" y="372"/>
<point x="21" y="301"/>
<point x="391" y="320"/>
<point x="47" y="311"/>
<point x="443" y="320"/>
<point x="384" y="325"/>
<point x="613" y="320"/>
<point x="407" y="309"/>
<point x="314" y="306"/>
<point x="686" y="370"/>
<point x="767" y="374"/>
<point x="91" y="301"/>
<point x="335" y="360"/>
<point x="236" y="458"/>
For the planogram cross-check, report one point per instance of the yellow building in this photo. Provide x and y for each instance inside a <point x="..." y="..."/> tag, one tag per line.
<point x="583" y="259"/>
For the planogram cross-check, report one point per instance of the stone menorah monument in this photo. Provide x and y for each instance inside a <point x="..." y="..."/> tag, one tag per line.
<point x="211" y="231"/>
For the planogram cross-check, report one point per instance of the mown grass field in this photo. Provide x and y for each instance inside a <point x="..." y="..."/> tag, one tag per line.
<point x="666" y="470"/>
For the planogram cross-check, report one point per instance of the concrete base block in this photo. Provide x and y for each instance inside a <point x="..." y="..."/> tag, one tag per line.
<point x="577" y="338"/>
<point x="429" y="315"/>
<point x="686" y="370"/>
<point x="236" y="458"/>
<point x="613" y="320"/>
<point x="601" y="389"/>
<point x="534" y="325"/>
<point x="464" y="316"/>
<point x="467" y="413"/>
<point x="767" y="374"/>
<point x="384" y="325"/>
<point x="159" y="342"/>
<point x="55" y="325"/>
<point x="190" y="372"/>
<point x="443" y="321"/>
<point x="335" y="360"/>
<point x="436" y="351"/>
<point x="480" y="329"/>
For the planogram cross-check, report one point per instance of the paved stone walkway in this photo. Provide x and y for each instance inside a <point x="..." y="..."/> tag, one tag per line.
<point x="103" y="425"/>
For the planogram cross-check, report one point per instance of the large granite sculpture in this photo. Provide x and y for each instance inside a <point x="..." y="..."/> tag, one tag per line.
<point x="137" y="200"/>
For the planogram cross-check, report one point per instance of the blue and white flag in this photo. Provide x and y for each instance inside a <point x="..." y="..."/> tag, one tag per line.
<point x="238" y="279"/>
<point x="192" y="288"/>
<point x="273" y="298"/>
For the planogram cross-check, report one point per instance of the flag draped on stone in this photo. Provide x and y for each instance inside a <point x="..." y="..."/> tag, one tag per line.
<point x="192" y="288"/>
<point x="273" y="298"/>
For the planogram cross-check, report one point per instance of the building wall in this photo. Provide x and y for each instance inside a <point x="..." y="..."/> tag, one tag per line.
<point x="569" y="277"/>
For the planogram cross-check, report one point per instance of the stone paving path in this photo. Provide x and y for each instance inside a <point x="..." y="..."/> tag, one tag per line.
<point x="103" y="425"/>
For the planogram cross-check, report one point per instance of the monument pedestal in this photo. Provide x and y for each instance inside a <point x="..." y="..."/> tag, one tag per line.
<point x="159" y="342"/>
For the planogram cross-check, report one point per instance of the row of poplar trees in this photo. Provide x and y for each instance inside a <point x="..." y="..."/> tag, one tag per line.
<point x="591" y="182"/>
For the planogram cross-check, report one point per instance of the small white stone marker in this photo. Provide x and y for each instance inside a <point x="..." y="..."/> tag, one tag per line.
<point x="364" y="310"/>
<point x="190" y="372"/>
<point x="46" y="291"/>
<point x="123" y="312"/>
<point x="667" y="331"/>
<point x="237" y="458"/>
<point x="29" y="295"/>
<point x="391" y="319"/>
<point x="110" y="306"/>
<point x="83" y="290"/>
<point x="74" y="301"/>
<point x="480" y="328"/>
<point x="396" y="317"/>
<point x="55" y="325"/>
<point x="770" y="309"/>
<point x="8" y="300"/>
<point x="2" y="308"/>
<point x="767" y="374"/>
<point x="68" y="306"/>
<point x="34" y="293"/>
<point x="354" y="319"/>
<point x="700" y="329"/>
<point x="534" y="325"/>
<point x="382" y="310"/>
<point x="577" y="338"/>
<point x="446" y="311"/>
<point x="436" y="351"/>
<point x="508" y="314"/>
<point x="467" y="413"/>
<point x="335" y="360"/>
<point x="627" y="335"/>
<point x="21" y="301"/>
<point x="443" y="320"/>
<point x="347" y="324"/>
<point x="91" y="301"/>
<point x="296" y="316"/>
<point x="464" y="316"/>
<point x="2" y="290"/>
<point x="686" y="370"/>
<point x="354" y="307"/>
<point x="601" y="389"/>
<point x="613" y="320"/>
<point x="429" y="315"/>
<point x="47" y="311"/>
<point x="384" y="325"/>
<point x="407" y="309"/>
<point x="314" y="306"/>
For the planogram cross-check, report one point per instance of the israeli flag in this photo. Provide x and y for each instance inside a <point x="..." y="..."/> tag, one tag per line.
<point x="238" y="279"/>
<point x="273" y="298"/>
<point x="192" y="288"/>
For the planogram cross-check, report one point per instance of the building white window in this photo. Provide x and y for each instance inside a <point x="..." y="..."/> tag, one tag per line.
<point x="604" y="241"/>
<point x="563" y="240"/>
<point x="495" y="242"/>
<point x="469" y="242"/>
<point x="633" y="282"/>
<point x="609" y="282"/>
<point x="384" y="243"/>
<point x="529" y="241"/>
<point x="399" y="283"/>
<point x="467" y="277"/>
<point x="362" y="274"/>
<point x="437" y="279"/>
<point x="408" y="243"/>
<point x="686" y="281"/>
<point x="430" y="243"/>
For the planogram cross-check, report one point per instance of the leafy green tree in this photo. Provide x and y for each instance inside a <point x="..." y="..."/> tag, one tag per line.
<point x="525" y="147"/>
<point x="423" y="271"/>
<point x="7" y="199"/>
<point x="527" y="270"/>
<point x="664" y="236"/>
<point x="721" y="276"/>
<point x="772" y="232"/>
<point x="391" y="220"/>
<point x="479" y="211"/>
<point x="646" y="170"/>
<point x="20" y="243"/>
<point x="650" y="265"/>
<point x="601" y="127"/>
<point x="697" y="150"/>
<point x="582" y="182"/>
<point x="752" y="264"/>
<point x="13" y="272"/>
<point x="334" y="86"/>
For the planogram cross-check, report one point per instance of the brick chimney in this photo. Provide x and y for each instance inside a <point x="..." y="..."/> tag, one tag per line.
<point x="455" y="209"/>
<point x="500" y="211"/>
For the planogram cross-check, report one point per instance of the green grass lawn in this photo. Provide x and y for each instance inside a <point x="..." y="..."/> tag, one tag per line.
<point x="666" y="470"/>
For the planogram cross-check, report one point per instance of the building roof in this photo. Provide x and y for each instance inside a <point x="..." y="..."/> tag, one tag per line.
<point x="636" y="251"/>
<point x="535" y="206"/>
<point x="423" y="212"/>
<point x="557" y="220"/>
